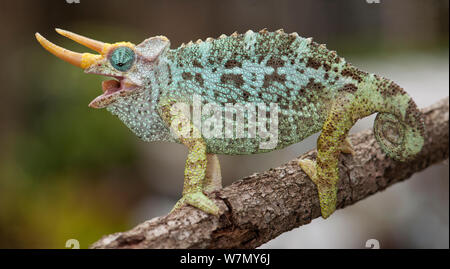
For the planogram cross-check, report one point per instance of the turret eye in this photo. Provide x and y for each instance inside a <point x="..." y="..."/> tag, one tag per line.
<point x="122" y="58"/>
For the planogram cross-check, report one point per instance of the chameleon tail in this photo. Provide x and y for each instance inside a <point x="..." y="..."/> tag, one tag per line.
<point x="398" y="127"/>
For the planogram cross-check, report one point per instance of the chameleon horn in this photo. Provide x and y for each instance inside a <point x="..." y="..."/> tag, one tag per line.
<point x="82" y="60"/>
<point x="71" y="57"/>
<point x="90" y="43"/>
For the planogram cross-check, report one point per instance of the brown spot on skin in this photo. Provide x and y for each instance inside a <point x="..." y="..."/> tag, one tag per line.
<point x="327" y="67"/>
<point x="335" y="69"/>
<point x="275" y="62"/>
<point x="269" y="79"/>
<point x="236" y="79"/>
<point x="260" y="59"/>
<point x="210" y="61"/>
<point x="232" y="63"/>
<point x="214" y="69"/>
<point x="246" y="95"/>
<point x="314" y="86"/>
<point x="312" y="93"/>
<point x="196" y="63"/>
<point x="347" y="73"/>
<point x="354" y="73"/>
<point x="313" y="63"/>
<point x="169" y="70"/>
<point x="413" y="116"/>
<point x="350" y="88"/>
<point x="199" y="79"/>
<point x="186" y="75"/>
<point x="326" y="76"/>
<point x="291" y="39"/>
<point x="391" y="89"/>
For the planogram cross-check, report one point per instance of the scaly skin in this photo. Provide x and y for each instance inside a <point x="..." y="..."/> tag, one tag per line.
<point x="314" y="88"/>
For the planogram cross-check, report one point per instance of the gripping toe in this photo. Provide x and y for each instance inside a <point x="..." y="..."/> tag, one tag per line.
<point x="327" y="192"/>
<point x="309" y="167"/>
<point x="198" y="200"/>
<point x="347" y="147"/>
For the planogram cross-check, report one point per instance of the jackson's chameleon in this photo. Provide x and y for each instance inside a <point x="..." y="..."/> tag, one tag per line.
<point x="314" y="88"/>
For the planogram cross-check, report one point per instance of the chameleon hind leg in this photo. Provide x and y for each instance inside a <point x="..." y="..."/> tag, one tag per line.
<point x="333" y="139"/>
<point x="196" y="163"/>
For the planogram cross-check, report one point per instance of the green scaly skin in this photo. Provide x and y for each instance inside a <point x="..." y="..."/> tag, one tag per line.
<point x="315" y="89"/>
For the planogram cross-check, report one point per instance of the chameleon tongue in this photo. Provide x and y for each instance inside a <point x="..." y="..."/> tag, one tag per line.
<point x="110" y="86"/>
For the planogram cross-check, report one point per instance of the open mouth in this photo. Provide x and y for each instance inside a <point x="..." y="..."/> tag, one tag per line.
<point x="111" y="90"/>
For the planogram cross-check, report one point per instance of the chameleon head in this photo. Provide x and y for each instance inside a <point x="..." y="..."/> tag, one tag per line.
<point x="125" y="62"/>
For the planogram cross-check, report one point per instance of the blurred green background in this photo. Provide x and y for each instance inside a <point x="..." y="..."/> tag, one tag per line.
<point x="69" y="171"/>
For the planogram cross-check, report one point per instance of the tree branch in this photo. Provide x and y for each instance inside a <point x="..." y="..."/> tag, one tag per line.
<point x="262" y="206"/>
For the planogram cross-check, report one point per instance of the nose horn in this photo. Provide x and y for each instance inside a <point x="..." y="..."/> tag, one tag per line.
<point x="85" y="41"/>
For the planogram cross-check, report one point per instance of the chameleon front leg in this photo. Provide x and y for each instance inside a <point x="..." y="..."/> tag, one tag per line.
<point x="333" y="139"/>
<point x="194" y="179"/>
<point x="213" y="177"/>
<point x="196" y="163"/>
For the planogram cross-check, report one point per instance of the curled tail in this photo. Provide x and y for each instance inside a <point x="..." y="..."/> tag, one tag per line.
<point x="399" y="126"/>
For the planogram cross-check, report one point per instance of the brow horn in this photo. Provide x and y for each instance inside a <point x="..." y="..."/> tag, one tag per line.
<point x="88" y="42"/>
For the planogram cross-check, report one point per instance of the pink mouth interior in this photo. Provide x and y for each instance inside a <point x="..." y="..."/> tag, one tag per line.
<point x="111" y="86"/>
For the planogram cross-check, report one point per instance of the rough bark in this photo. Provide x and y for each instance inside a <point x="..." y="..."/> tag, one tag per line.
<point x="260" y="207"/>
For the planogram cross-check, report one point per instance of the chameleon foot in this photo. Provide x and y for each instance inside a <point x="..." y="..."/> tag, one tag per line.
<point x="347" y="147"/>
<point x="327" y="192"/>
<point x="198" y="200"/>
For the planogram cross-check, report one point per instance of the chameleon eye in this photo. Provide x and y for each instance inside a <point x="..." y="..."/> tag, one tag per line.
<point x="122" y="58"/>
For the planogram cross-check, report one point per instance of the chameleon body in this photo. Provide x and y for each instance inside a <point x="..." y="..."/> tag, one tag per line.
<point x="314" y="89"/>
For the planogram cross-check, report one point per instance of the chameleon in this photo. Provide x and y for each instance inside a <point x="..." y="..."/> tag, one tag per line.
<point x="315" y="90"/>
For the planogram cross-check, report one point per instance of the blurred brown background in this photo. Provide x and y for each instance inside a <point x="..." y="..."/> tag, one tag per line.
<point x="69" y="171"/>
